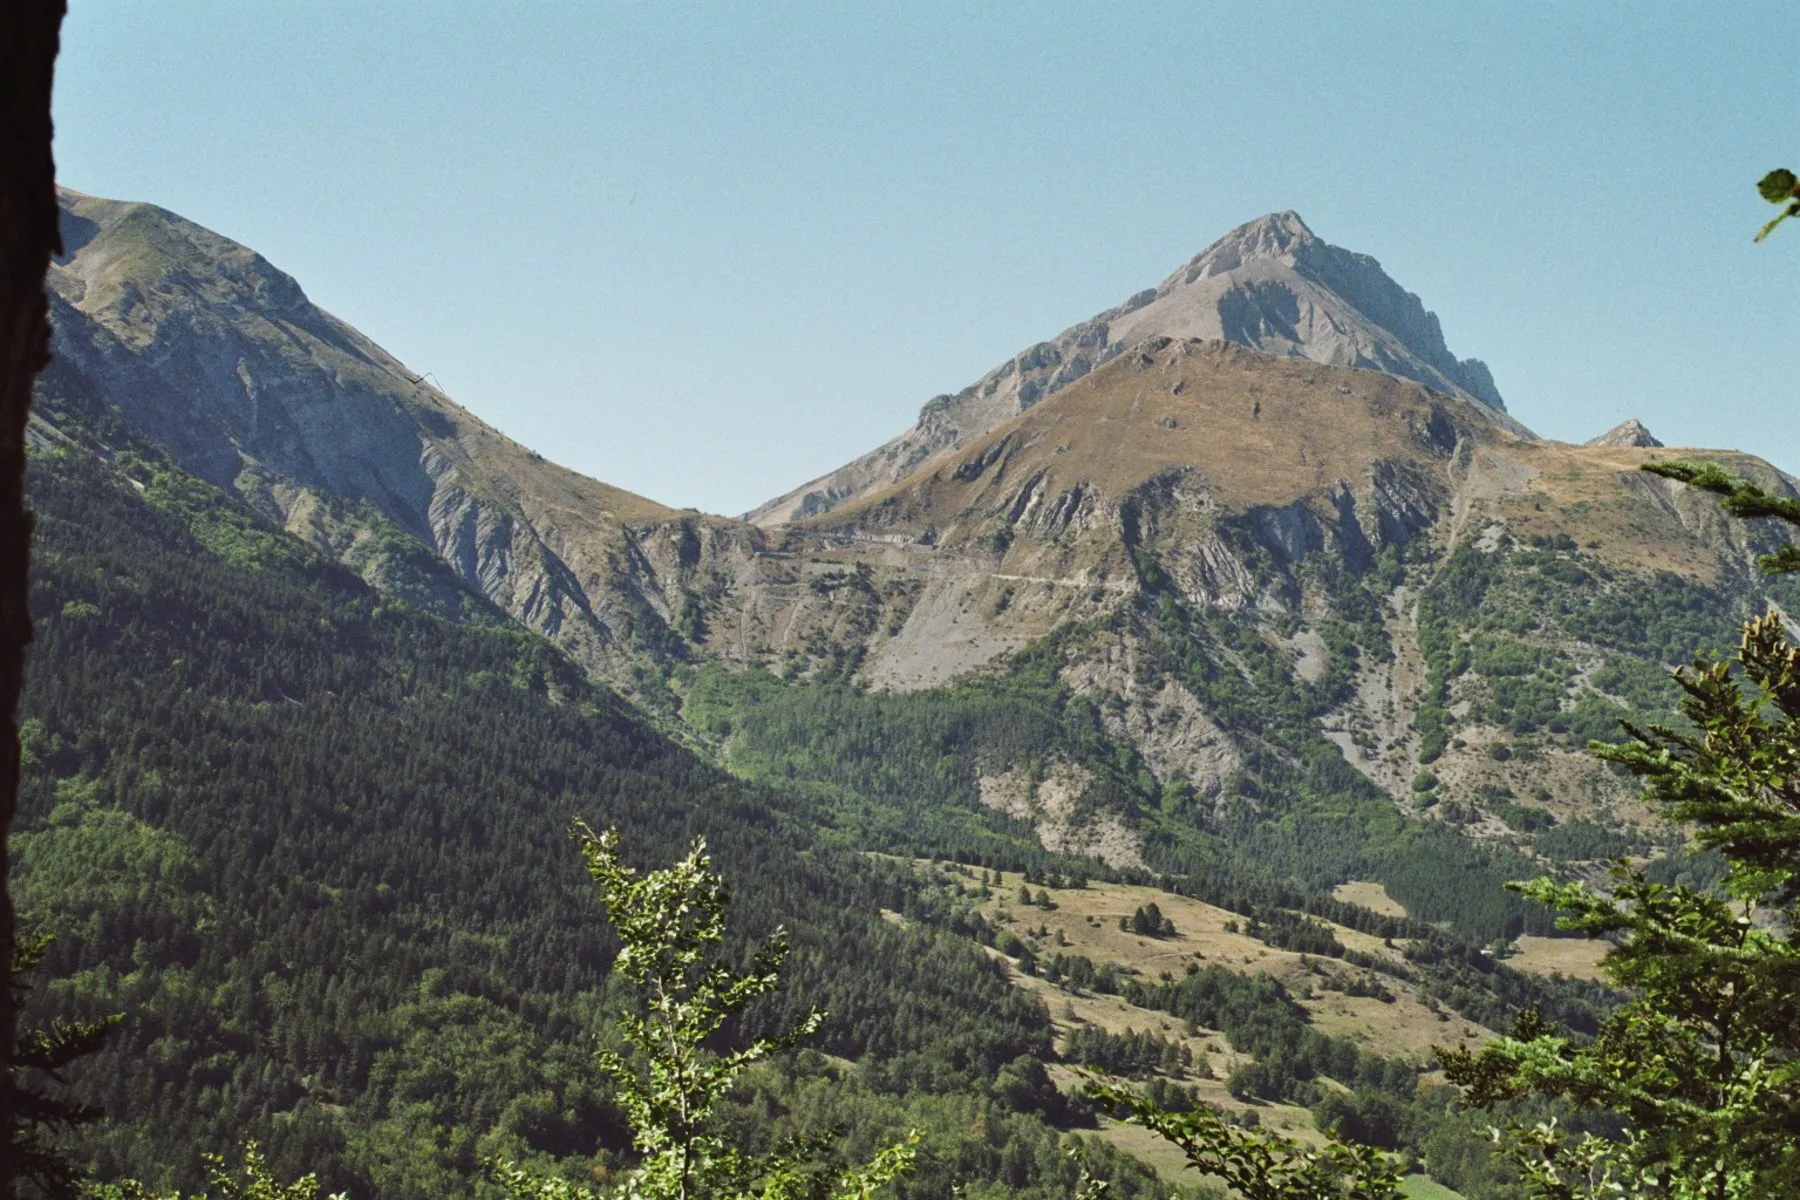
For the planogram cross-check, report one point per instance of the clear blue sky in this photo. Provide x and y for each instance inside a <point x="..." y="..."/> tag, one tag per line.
<point x="709" y="251"/>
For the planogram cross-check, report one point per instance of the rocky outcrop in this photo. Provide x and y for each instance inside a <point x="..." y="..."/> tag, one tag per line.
<point x="1627" y="433"/>
<point x="1161" y="718"/>
<point x="1271" y="285"/>
<point x="1054" y="807"/>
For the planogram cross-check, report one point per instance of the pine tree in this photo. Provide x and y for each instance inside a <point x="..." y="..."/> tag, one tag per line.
<point x="35" y="1115"/>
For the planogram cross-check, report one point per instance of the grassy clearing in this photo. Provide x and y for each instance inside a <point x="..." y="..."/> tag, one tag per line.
<point x="1085" y="921"/>
<point x="1371" y="896"/>
<point x="1576" y="958"/>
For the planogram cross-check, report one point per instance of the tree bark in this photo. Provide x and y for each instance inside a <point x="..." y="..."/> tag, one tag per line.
<point x="29" y="32"/>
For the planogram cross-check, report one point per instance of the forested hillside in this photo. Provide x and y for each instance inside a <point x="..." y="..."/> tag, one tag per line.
<point x="313" y="843"/>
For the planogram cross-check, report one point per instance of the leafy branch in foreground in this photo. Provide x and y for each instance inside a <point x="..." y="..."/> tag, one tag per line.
<point x="1742" y="498"/>
<point x="1257" y="1164"/>
<point x="671" y="924"/>
<point x="1779" y="187"/>
<point x="252" y="1181"/>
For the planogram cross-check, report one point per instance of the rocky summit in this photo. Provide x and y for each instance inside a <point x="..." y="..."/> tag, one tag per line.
<point x="1271" y="285"/>
<point x="1626" y="433"/>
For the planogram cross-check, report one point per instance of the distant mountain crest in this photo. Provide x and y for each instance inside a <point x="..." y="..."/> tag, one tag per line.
<point x="1253" y="263"/>
<point x="1629" y="433"/>
<point x="217" y="356"/>
<point x="1270" y="284"/>
<point x="1269" y="236"/>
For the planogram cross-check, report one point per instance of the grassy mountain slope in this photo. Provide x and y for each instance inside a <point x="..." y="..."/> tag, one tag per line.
<point x="1306" y="503"/>
<point x="1254" y="567"/>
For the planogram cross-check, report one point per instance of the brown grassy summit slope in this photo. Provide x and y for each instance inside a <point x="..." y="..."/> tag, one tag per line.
<point x="1597" y="496"/>
<point x="1375" y="457"/>
<point x="1258" y="430"/>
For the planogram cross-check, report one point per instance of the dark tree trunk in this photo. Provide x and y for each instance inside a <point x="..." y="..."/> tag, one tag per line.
<point x="28" y="236"/>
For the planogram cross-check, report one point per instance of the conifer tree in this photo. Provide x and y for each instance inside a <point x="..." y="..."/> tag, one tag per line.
<point x="35" y="1114"/>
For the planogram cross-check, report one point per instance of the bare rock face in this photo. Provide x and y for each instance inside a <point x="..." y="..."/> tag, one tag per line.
<point x="1054" y="807"/>
<point x="1160" y="717"/>
<point x="1271" y="285"/>
<point x="1630" y="433"/>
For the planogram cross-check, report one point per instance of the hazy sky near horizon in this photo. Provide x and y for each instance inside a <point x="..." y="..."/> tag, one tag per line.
<point x="707" y="252"/>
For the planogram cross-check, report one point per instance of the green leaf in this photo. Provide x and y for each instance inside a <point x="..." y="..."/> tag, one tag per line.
<point x="1777" y="187"/>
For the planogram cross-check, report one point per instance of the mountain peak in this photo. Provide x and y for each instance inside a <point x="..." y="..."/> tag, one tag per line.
<point x="1270" y="236"/>
<point x="1627" y="433"/>
<point x="119" y="249"/>
<point x="1270" y="285"/>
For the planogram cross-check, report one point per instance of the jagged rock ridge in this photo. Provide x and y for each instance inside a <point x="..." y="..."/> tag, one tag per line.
<point x="1271" y="285"/>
